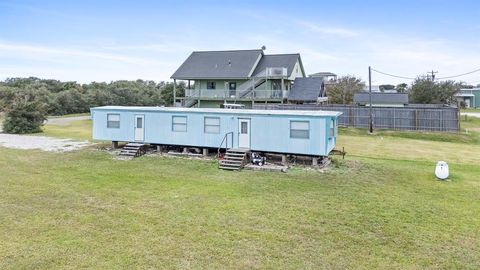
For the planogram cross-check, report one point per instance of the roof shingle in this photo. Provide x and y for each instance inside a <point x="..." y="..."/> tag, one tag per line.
<point x="305" y="89"/>
<point x="218" y="65"/>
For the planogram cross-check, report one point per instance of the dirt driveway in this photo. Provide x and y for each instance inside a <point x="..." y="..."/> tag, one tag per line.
<point x="40" y="142"/>
<point x="45" y="143"/>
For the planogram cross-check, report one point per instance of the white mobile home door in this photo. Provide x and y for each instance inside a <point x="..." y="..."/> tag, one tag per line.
<point x="244" y="133"/>
<point x="139" y="128"/>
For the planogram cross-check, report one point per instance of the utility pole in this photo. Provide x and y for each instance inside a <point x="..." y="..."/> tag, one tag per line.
<point x="432" y="76"/>
<point x="174" y="92"/>
<point x="370" y="97"/>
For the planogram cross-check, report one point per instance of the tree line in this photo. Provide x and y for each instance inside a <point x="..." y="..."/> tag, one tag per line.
<point x="422" y="91"/>
<point x="27" y="101"/>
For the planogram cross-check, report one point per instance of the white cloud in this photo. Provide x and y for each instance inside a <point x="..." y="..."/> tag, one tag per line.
<point x="43" y="52"/>
<point x="328" y="30"/>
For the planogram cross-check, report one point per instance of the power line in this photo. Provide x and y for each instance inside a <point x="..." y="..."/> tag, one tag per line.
<point x="391" y="75"/>
<point x="459" y="75"/>
<point x="433" y="76"/>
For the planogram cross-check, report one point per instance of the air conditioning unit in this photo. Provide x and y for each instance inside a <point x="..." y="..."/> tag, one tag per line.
<point x="278" y="71"/>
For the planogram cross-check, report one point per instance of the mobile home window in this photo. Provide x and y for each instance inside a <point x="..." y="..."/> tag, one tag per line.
<point x="211" y="85"/>
<point x="113" y="120"/>
<point x="179" y="123"/>
<point x="300" y="129"/>
<point x="212" y="125"/>
<point x="333" y="128"/>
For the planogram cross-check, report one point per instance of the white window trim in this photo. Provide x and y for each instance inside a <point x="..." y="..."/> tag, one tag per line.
<point x="111" y="121"/>
<point x="205" y="125"/>
<point x="179" y="124"/>
<point x="303" y="130"/>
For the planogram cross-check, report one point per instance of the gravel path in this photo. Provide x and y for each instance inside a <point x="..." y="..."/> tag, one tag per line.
<point x="40" y="142"/>
<point x="63" y="121"/>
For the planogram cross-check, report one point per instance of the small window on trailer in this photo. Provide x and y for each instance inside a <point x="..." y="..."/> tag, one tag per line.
<point x="333" y="128"/>
<point x="212" y="124"/>
<point x="299" y="129"/>
<point x="113" y="120"/>
<point x="179" y="123"/>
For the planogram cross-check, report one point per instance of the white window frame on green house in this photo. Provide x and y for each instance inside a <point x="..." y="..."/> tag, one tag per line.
<point x="299" y="129"/>
<point x="179" y="123"/>
<point x="113" y="120"/>
<point x="211" y="125"/>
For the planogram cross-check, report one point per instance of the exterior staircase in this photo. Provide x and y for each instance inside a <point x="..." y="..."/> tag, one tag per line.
<point x="234" y="159"/>
<point x="190" y="102"/>
<point x="253" y="83"/>
<point x="132" y="150"/>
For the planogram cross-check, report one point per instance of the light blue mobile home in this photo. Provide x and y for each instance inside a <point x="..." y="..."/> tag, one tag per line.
<point x="311" y="133"/>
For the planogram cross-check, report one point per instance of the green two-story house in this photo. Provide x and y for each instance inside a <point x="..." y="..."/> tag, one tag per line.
<point x="470" y="97"/>
<point x="238" y="76"/>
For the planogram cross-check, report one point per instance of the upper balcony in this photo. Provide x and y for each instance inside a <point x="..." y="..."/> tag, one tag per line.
<point x="222" y="94"/>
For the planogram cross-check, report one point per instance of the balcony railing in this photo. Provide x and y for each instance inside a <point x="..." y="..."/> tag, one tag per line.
<point x="235" y="94"/>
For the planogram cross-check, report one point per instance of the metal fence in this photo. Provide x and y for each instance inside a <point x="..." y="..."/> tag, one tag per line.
<point x="412" y="117"/>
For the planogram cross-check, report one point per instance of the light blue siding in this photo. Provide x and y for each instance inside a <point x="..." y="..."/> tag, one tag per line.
<point x="269" y="133"/>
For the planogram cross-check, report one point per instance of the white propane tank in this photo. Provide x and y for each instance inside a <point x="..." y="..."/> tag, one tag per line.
<point x="441" y="170"/>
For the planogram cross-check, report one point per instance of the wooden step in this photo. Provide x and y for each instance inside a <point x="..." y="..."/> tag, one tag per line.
<point x="234" y="155"/>
<point x="229" y="168"/>
<point x="132" y="150"/>
<point x="230" y="162"/>
<point x="234" y="159"/>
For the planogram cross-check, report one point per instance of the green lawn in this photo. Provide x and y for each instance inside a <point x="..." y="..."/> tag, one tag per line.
<point x="470" y="110"/>
<point x="78" y="130"/>
<point x="381" y="207"/>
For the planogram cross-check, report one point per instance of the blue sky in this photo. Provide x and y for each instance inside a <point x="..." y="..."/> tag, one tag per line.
<point x="109" y="40"/>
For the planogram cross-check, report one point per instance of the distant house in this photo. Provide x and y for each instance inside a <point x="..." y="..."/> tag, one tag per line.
<point x="327" y="77"/>
<point x="381" y="99"/>
<point x="470" y="97"/>
<point x="375" y="88"/>
<point x="237" y="76"/>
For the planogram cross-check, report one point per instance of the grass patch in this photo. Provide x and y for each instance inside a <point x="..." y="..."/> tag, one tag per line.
<point x="84" y="209"/>
<point x="470" y="110"/>
<point x="77" y="130"/>
<point x="380" y="208"/>
<point x="470" y="133"/>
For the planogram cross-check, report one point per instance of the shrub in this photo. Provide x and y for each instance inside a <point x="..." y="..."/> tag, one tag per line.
<point x="24" y="117"/>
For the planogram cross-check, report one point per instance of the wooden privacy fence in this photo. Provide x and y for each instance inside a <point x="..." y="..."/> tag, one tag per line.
<point x="412" y="117"/>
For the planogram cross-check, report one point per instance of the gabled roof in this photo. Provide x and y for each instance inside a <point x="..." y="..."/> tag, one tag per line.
<point x="381" y="98"/>
<point x="305" y="89"/>
<point x="237" y="64"/>
<point x="279" y="60"/>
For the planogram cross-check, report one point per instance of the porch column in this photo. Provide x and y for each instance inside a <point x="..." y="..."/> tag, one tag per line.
<point x="174" y="92"/>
